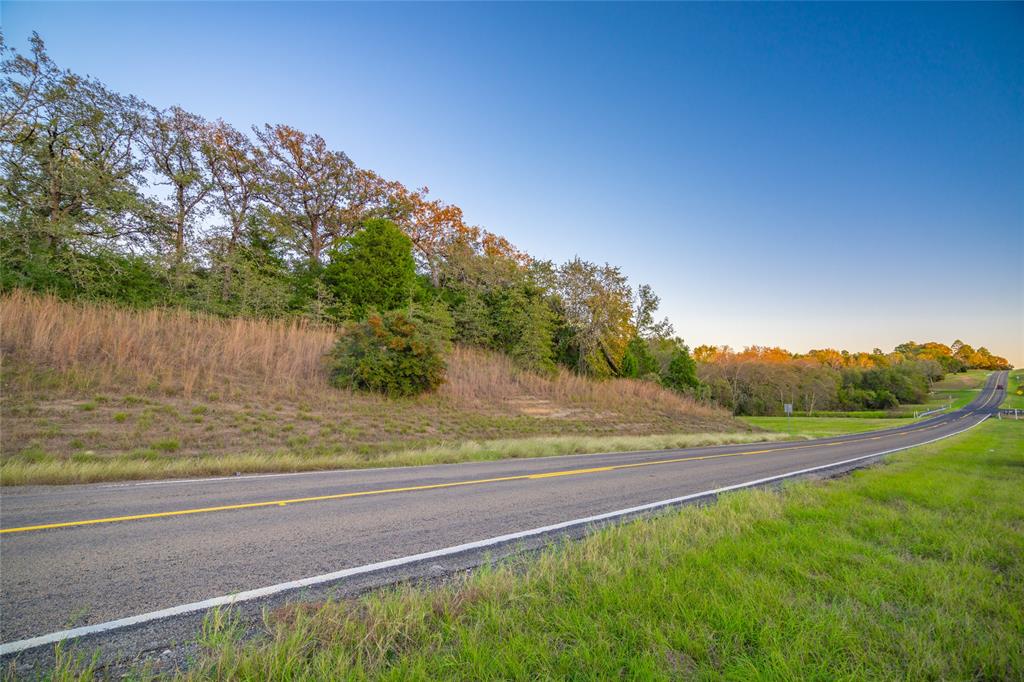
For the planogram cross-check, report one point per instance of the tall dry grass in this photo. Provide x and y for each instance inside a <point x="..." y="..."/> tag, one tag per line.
<point x="102" y="347"/>
<point x="99" y="347"/>
<point x="476" y="377"/>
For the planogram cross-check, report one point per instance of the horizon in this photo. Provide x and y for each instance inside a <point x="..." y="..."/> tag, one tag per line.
<point x="852" y="184"/>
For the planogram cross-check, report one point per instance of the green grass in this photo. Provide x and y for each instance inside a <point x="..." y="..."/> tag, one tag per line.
<point x="1015" y="391"/>
<point x="36" y="466"/>
<point x="819" y="427"/>
<point x="912" y="570"/>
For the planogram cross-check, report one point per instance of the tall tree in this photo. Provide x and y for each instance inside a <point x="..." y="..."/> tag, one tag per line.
<point x="644" y="307"/>
<point x="24" y="81"/>
<point x="432" y="225"/>
<point x="320" y="194"/>
<point x="373" y="269"/>
<point x="174" y="142"/>
<point x="70" y="170"/>
<point x="596" y="302"/>
<point x="234" y="164"/>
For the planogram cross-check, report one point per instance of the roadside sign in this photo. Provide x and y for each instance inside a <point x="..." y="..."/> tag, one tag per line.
<point x="788" y="408"/>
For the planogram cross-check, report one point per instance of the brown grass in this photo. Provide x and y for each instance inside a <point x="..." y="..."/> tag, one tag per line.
<point x="88" y="347"/>
<point x="95" y="392"/>
<point x="476" y="376"/>
<point x="171" y="351"/>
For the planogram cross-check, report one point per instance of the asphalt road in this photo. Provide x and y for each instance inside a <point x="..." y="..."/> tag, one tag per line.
<point x="69" y="558"/>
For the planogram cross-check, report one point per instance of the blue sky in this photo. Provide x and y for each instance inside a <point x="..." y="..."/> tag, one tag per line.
<point x="797" y="175"/>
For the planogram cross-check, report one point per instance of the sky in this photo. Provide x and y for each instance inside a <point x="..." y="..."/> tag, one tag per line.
<point x="804" y="175"/>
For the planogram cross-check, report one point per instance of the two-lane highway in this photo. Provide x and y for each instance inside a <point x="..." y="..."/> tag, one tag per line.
<point x="89" y="556"/>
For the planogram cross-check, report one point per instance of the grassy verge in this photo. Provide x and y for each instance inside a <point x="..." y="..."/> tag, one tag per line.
<point x="1015" y="391"/>
<point x="29" y="468"/>
<point x="913" y="570"/>
<point x="819" y="427"/>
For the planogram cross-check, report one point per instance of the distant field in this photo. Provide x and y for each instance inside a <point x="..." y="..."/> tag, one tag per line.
<point x="819" y="427"/>
<point x="912" y="570"/>
<point x="95" y="392"/>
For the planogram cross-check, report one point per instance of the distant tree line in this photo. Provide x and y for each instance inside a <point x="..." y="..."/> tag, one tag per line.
<point x="105" y="196"/>
<point x="759" y="380"/>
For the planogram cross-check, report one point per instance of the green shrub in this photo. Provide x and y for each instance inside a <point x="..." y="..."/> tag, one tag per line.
<point x="372" y="269"/>
<point x="681" y="374"/>
<point x="397" y="353"/>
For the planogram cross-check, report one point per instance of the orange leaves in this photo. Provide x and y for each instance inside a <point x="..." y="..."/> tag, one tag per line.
<point x="434" y="226"/>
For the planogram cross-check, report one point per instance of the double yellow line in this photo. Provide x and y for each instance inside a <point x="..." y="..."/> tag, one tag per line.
<point x="454" y="484"/>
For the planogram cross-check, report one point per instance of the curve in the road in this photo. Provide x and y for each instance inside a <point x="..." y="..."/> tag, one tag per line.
<point x="43" y="568"/>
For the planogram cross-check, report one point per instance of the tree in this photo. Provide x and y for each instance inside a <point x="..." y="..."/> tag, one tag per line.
<point x="320" y="194"/>
<point x="261" y="283"/>
<point x="174" y="143"/>
<point x="596" y="303"/>
<point x="234" y="165"/>
<point x="432" y="225"/>
<point x="645" y="306"/>
<point x="70" y="175"/>
<point x="25" y="81"/>
<point x="522" y="324"/>
<point x="681" y="373"/>
<point x="638" y="362"/>
<point x="372" y="269"/>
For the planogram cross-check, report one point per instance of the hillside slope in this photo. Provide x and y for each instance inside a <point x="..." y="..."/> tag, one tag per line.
<point x="86" y="384"/>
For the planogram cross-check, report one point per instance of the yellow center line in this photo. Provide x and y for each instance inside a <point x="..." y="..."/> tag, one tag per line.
<point x="437" y="486"/>
<point x="383" y="491"/>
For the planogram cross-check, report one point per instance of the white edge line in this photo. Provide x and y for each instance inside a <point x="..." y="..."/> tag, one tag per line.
<point x="249" y="595"/>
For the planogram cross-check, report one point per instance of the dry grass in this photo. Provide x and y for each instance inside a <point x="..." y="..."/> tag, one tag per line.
<point x="96" y="392"/>
<point x="91" y="347"/>
<point x="94" y="347"/>
<point x="476" y="377"/>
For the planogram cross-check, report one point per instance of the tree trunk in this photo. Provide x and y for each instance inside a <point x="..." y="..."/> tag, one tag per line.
<point x="54" y="201"/>
<point x="179" y="232"/>
<point x="315" y="243"/>
<point x="225" y="285"/>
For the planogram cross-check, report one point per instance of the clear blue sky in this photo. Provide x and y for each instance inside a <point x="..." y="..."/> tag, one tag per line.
<point x="797" y="175"/>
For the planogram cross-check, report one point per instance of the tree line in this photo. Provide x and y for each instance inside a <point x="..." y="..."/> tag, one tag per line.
<point x="108" y="197"/>
<point x="759" y="380"/>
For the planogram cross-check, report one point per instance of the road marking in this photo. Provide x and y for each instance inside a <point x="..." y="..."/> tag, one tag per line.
<point x="263" y="592"/>
<point x="382" y="491"/>
<point x="436" y="486"/>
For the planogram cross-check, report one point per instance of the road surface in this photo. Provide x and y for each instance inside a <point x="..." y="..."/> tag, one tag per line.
<point x="86" y="556"/>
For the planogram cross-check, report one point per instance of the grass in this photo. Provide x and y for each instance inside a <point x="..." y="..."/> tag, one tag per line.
<point x="819" y="427"/>
<point x="35" y="466"/>
<point x="912" y="570"/>
<point x="84" y="386"/>
<point x="1014" y="391"/>
<point x="88" y="348"/>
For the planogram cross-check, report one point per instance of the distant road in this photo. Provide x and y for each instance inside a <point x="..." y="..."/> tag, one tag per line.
<point x="84" y="556"/>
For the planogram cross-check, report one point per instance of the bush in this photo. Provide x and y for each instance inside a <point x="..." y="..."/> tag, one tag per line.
<point x="397" y="353"/>
<point x="681" y="374"/>
<point x="639" y="362"/>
